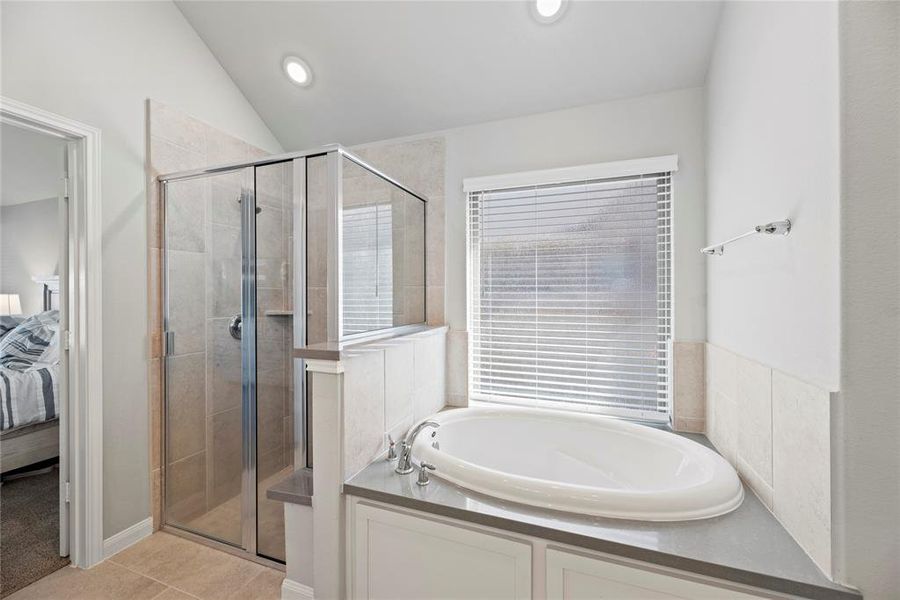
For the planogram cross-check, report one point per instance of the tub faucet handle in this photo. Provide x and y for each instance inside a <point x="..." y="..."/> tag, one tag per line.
<point x="423" y="473"/>
<point x="392" y="450"/>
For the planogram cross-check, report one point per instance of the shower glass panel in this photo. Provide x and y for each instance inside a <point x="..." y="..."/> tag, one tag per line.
<point x="274" y="345"/>
<point x="203" y="383"/>
<point x="318" y="195"/>
<point x="383" y="262"/>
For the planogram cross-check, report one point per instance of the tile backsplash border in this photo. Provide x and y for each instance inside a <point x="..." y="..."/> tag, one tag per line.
<point x="775" y="429"/>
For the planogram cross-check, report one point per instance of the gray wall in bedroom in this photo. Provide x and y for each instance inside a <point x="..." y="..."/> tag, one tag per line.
<point x="32" y="166"/>
<point x="29" y="245"/>
<point x="98" y="63"/>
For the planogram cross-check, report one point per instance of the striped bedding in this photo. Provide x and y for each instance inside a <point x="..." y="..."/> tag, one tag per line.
<point x="29" y="370"/>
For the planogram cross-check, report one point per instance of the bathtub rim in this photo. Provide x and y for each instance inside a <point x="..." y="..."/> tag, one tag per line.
<point x="529" y="489"/>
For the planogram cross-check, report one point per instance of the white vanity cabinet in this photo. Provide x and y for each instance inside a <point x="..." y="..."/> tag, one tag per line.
<point x="397" y="556"/>
<point x="572" y="576"/>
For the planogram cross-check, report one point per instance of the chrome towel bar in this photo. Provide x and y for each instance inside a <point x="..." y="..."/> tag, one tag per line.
<point x="775" y="227"/>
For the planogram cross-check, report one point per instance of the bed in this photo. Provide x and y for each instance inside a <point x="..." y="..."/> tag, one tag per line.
<point x="29" y="389"/>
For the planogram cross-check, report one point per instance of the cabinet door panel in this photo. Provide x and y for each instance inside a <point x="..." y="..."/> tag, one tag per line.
<point x="399" y="556"/>
<point x="575" y="577"/>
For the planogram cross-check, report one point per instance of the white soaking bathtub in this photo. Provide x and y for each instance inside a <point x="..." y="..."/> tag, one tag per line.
<point x="580" y="463"/>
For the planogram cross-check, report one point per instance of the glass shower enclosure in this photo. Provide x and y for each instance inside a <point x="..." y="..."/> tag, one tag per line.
<point x="262" y="258"/>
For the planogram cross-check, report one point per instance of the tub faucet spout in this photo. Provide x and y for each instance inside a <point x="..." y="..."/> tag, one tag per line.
<point x="404" y="464"/>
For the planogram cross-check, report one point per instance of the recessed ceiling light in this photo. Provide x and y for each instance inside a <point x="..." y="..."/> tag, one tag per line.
<point x="547" y="11"/>
<point x="297" y="71"/>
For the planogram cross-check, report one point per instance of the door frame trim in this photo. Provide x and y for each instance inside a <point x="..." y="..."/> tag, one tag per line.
<point x="85" y="386"/>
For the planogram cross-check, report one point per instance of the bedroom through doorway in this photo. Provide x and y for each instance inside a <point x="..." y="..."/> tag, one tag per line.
<point x="34" y="250"/>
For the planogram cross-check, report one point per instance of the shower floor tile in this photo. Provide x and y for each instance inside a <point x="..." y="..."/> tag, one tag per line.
<point x="224" y="521"/>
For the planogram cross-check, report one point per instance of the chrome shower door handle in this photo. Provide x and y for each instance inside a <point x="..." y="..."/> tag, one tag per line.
<point x="234" y="327"/>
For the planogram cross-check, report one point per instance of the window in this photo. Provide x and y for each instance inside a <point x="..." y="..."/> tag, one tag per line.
<point x="368" y="265"/>
<point x="570" y="287"/>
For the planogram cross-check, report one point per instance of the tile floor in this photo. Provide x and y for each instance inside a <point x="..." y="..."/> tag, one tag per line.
<point x="161" y="567"/>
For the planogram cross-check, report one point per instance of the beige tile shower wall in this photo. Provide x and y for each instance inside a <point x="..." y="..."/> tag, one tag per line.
<point x="179" y="142"/>
<point x="420" y="165"/>
<point x="689" y="409"/>
<point x="775" y="430"/>
<point x="362" y="188"/>
<point x="457" y="368"/>
<point x="388" y="386"/>
<point x="317" y="196"/>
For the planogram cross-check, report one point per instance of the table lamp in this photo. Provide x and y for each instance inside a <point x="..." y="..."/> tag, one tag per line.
<point x="10" y="304"/>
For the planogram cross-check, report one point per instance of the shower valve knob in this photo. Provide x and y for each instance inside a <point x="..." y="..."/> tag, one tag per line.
<point x="234" y="327"/>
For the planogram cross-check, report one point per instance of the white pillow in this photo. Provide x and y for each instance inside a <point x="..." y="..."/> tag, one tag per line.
<point x="36" y="339"/>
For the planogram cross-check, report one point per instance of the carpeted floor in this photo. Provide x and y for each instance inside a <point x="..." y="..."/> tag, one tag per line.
<point x="29" y="530"/>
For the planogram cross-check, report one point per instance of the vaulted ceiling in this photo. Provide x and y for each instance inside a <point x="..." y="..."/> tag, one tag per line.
<point x="389" y="69"/>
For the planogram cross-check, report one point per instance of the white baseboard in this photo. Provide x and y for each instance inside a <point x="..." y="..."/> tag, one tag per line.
<point x="127" y="537"/>
<point x="291" y="590"/>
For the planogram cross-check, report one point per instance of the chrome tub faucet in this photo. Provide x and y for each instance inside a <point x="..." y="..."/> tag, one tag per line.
<point x="404" y="464"/>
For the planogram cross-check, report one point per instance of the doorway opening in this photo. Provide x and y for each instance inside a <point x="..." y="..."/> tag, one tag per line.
<point x="34" y="240"/>
<point x="51" y="401"/>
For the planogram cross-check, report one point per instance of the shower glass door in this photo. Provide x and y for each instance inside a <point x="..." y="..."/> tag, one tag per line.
<point x="229" y="378"/>
<point x="204" y="383"/>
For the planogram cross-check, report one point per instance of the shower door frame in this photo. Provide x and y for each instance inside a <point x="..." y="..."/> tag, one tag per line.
<point x="249" y="422"/>
<point x="334" y="317"/>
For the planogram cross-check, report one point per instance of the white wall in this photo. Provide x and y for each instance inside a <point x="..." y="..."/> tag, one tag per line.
<point x="98" y="63"/>
<point x="866" y="429"/>
<point x="773" y="153"/>
<point x="667" y="123"/>
<point x="804" y="121"/>
<point x="29" y="246"/>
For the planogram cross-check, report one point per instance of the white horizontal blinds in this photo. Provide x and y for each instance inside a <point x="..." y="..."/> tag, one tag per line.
<point x="570" y="295"/>
<point x="664" y="290"/>
<point x="367" y="268"/>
